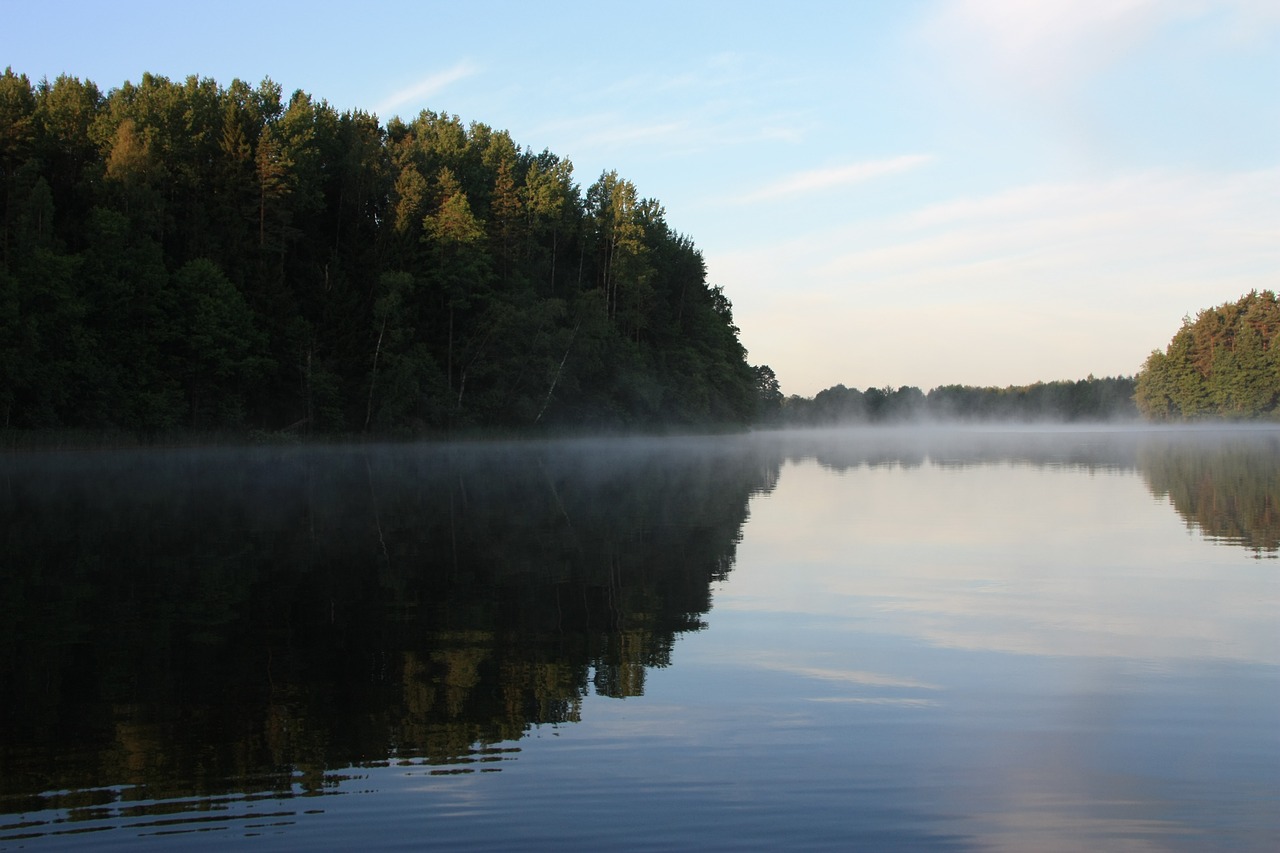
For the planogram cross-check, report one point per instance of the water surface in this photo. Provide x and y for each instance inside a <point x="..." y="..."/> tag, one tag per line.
<point x="962" y="639"/>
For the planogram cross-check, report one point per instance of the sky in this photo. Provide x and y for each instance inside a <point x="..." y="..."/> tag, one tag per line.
<point x="904" y="192"/>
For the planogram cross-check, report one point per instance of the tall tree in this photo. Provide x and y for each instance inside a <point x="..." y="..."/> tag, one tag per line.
<point x="612" y="205"/>
<point x="220" y="351"/>
<point x="455" y="237"/>
<point x="547" y="195"/>
<point x="17" y="140"/>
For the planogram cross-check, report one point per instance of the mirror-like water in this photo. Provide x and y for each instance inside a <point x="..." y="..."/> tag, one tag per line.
<point x="970" y="640"/>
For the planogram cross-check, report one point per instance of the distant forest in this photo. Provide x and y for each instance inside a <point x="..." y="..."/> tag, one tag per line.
<point x="1223" y="365"/>
<point x="1089" y="399"/>
<point x="184" y="256"/>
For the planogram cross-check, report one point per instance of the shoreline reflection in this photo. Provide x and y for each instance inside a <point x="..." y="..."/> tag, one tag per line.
<point x="190" y="637"/>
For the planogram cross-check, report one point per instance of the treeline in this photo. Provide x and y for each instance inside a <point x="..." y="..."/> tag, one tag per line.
<point x="1223" y="364"/>
<point x="183" y="255"/>
<point x="1092" y="399"/>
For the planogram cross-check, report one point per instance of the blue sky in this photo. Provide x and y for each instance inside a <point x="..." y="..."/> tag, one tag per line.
<point x="925" y="192"/>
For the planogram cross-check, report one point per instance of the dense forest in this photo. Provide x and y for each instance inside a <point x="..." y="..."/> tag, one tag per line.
<point x="1091" y="399"/>
<point x="1225" y="363"/>
<point x="183" y="255"/>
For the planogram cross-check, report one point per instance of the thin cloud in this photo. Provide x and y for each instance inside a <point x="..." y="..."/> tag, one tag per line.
<point x="630" y="134"/>
<point x="1046" y="43"/>
<point x="1157" y="223"/>
<point x="817" y="180"/>
<point x="426" y="87"/>
<point x="1051" y="45"/>
<point x="718" y="72"/>
<point x="598" y="137"/>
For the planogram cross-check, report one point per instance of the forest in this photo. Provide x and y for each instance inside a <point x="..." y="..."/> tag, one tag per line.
<point x="1091" y="399"/>
<point x="1223" y="364"/>
<point x="184" y="257"/>
<point x="189" y="256"/>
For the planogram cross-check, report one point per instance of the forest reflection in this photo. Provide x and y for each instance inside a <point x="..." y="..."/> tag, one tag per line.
<point x="183" y="622"/>
<point x="1223" y="482"/>
<point x="1229" y="492"/>
<point x="201" y="623"/>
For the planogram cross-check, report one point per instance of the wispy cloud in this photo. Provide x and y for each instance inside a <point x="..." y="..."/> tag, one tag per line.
<point x="1047" y="43"/>
<point x="1162" y="227"/>
<point x="705" y="77"/>
<point x="817" y="180"/>
<point x="673" y="111"/>
<point x="426" y="87"/>
<point x="599" y="136"/>
<point x="1053" y="44"/>
<point x="621" y="135"/>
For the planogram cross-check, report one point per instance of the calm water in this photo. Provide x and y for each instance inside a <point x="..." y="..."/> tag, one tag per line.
<point x="934" y="640"/>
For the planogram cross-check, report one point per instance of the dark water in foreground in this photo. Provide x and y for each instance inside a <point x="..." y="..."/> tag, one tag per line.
<point x="965" y="640"/>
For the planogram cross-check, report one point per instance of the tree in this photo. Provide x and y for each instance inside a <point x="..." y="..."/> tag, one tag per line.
<point x="408" y="373"/>
<point x="768" y="391"/>
<point x="272" y="165"/>
<point x="546" y="197"/>
<point x="506" y="218"/>
<point x="17" y="139"/>
<point x="133" y="319"/>
<point x="66" y="111"/>
<point x="1222" y="364"/>
<point x="454" y="235"/>
<point x="220" y="350"/>
<point x="613" y="207"/>
<point x="130" y="166"/>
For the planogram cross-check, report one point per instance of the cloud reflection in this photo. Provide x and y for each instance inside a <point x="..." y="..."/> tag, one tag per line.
<point x="847" y="676"/>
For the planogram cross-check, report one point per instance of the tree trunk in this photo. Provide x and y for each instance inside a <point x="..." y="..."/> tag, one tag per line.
<point x="373" y="378"/>
<point x="556" y="378"/>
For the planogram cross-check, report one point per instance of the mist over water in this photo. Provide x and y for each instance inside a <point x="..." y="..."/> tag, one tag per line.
<point x="995" y="637"/>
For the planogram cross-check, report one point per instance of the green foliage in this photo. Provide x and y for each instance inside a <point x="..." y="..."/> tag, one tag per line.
<point x="217" y="345"/>
<point x="1224" y="364"/>
<point x="182" y="254"/>
<point x="1089" y="399"/>
<point x="769" y="393"/>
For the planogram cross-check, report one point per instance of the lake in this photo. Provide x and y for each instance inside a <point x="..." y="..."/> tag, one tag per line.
<point x="914" y="639"/>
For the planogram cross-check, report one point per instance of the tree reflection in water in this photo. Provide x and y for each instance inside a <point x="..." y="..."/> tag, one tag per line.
<point x="183" y="628"/>
<point x="1230" y="492"/>
<point x="193" y="623"/>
